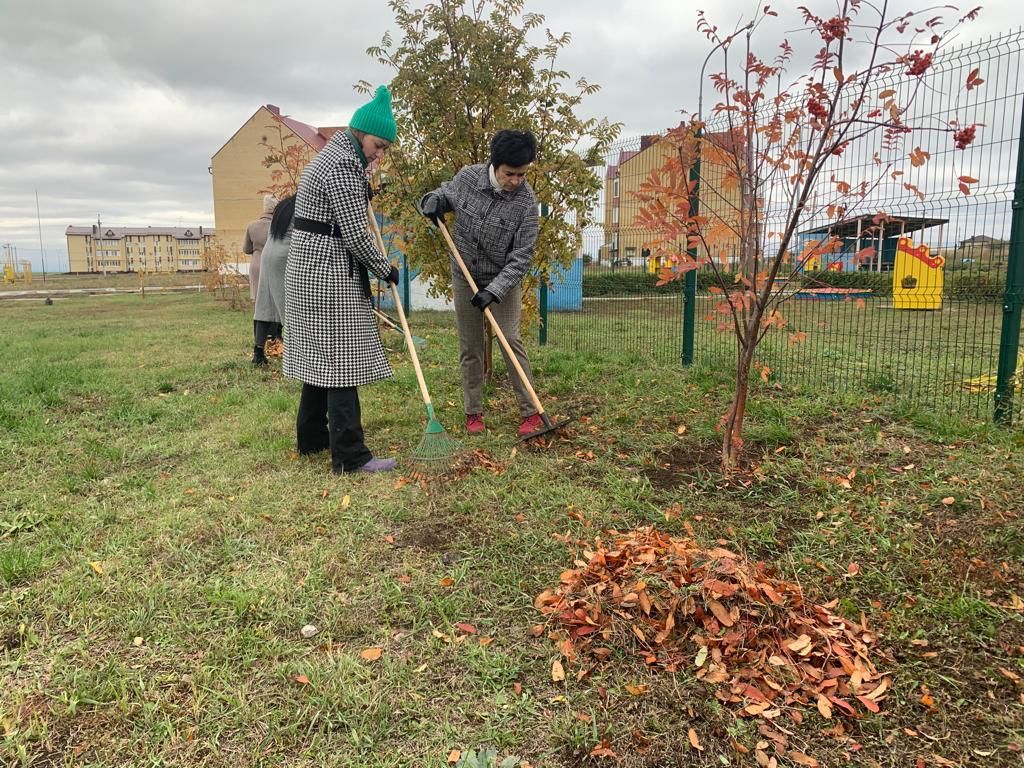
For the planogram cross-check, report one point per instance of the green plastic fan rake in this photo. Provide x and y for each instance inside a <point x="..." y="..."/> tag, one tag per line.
<point x="386" y="320"/>
<point x="437" y="450"/>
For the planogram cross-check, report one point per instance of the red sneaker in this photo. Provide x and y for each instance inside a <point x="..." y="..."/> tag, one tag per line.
<point x="530" y="424"/>
<point x="475" y="423"/>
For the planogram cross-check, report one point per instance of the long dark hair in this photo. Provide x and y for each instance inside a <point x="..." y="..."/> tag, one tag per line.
<point x="282" y="221"/>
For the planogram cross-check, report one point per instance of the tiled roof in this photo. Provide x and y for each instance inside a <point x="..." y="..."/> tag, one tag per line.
<point x="116" y="233"/>
<point x="624" y="155"/>
<point x="317" y="138"/>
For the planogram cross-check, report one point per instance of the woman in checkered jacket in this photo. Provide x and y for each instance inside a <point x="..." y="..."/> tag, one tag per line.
<point x="333" y="341"/>
<point x="496" y="233"/>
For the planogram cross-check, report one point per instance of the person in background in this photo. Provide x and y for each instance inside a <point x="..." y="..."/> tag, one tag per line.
<point x="496" y="234"/>
<point x="268" y="316"/>
<point x="334" y="342"/>
<point x="255" y="238"/>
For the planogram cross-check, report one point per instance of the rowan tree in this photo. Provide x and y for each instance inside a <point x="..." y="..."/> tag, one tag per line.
<point x="287" y="156"/>
<point x="462" y="71"/>
<point x="771" y="151"/>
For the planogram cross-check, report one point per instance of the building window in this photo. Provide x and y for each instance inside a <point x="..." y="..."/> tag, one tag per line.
<point x="615" y="186"/>
<point x="615" y="215"/>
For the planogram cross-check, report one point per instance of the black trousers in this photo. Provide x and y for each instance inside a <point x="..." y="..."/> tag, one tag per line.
<point x="262" y="329"/>
<point x="330" y="417"/>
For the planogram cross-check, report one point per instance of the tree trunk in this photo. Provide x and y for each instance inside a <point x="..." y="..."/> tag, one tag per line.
<point x="732" y="426"/>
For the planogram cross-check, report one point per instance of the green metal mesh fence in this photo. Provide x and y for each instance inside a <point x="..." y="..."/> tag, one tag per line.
<point x="926" y="327"/>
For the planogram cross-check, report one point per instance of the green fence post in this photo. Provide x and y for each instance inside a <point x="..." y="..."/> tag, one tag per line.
<point x="690" y="279"/>
<point x="543" y="300"/>
<point x="1009" y="338"/>
<point x="543" y="313"/>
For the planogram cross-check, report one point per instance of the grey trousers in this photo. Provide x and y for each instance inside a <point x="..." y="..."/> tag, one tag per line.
<point x="472" y="337"/>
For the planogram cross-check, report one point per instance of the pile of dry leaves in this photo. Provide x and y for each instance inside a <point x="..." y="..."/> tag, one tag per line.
<point x="678" y="605"/>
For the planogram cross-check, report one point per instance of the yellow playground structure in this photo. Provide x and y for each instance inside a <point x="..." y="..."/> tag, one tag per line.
<point x="917" y="278"/>
<point x="12" y="274"/>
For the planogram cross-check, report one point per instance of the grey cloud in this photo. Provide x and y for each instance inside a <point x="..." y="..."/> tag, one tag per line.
<point x="115" y="108"/>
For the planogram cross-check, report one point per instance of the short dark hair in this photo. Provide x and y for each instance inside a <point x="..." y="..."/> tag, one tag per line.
<point x="513" y="148"/>
<point x="282" y="220"/>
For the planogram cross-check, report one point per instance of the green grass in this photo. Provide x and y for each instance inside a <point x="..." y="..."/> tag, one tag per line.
<point x="923" y="358"/>
<point x="161" y="547"/>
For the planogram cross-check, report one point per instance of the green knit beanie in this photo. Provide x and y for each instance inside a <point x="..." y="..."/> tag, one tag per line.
<point x="375" y="118"/>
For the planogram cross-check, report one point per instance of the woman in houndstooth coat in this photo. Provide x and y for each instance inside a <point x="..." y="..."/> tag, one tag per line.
<point x="334" y="343"/>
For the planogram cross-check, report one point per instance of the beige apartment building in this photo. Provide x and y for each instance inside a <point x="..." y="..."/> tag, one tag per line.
<point x="625" y="244"/>
<point x="138" y="249"/>
<point x="267" y="154"/>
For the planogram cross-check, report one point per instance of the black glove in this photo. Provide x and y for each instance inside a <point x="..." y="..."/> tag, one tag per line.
<point x="484" y="299"/>
<point x="430" y="206"/>
<point x="393" y="276"/>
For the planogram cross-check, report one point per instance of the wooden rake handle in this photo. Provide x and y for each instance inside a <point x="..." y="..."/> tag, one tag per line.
<point x="401" y="313"/>
<point x="494" y="323"/>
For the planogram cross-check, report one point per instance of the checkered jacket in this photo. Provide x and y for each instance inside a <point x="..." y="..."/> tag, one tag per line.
<point x="333" y="340"/>
<point x="495" y="232"/>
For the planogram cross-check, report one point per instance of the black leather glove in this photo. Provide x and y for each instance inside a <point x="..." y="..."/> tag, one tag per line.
<point x="393" y="276"/>
<point x="484" y="299"/>
<point x="430" y="206"/>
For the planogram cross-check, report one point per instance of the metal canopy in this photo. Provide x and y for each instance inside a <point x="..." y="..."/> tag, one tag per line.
<point x="856" y="227"/>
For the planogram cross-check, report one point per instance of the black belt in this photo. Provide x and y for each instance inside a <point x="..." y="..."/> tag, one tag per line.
<point x="317" y="227"/>
<point x="331" y="230"/>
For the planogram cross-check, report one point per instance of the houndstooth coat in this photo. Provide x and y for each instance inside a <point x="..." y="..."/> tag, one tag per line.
<point x="333" y="340"/>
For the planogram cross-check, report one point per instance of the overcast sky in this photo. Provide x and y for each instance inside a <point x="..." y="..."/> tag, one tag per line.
<point x="115" y="108"/>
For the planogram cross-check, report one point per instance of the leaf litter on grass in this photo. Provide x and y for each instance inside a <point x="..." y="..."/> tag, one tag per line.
<point x="460" y="467"/>
<point x="751" y="634"/>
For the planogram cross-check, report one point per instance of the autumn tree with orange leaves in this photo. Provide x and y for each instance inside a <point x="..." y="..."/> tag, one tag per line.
<point x="776" y="148"/>
<point x="287" y="157"/>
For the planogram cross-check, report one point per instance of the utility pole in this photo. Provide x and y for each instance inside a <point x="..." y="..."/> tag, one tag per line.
<point x="39" y="222"/>
<point x="99" y="234"/>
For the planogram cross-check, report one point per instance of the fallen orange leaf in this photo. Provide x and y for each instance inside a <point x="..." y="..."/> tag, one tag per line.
<point x="871" y="704"/>
<point x="694" y="741"/>
<point x="603" y="749"/>
<point x="371" y="654"/>
<point x="721" y="613"/>
<point x="557" y="671"/>
<point x="801" y="759"/>
<point x="824" y="707"/>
